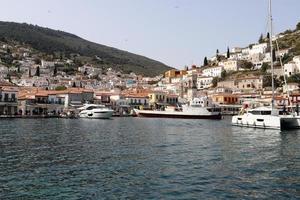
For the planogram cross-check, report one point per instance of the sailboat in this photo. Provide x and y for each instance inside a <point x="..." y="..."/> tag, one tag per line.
<point x="267" y="117"/>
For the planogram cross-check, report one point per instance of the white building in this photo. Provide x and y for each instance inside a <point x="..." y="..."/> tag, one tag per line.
<point x="259" y="48"/>
<point x="290" y="69"/>
<point x="204" y="82"/>
<point x="236" y="50"/>
<point x="213" y="71"/>
<point x="46" y="64"/>
<point x="231" y="65"/>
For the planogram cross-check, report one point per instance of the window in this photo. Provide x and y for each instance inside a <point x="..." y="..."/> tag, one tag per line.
<point x="13" y="97"/>
<point x="5" y="97"/>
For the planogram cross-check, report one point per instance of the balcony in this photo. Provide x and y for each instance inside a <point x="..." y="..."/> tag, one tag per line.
<point x="48" y="102"/>
<point x="9" y="100"/>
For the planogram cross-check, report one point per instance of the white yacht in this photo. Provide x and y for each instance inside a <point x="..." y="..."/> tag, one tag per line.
<point x="267" y="117"/>
<point x="95" y="111"/>
<point x="199" y="108"/>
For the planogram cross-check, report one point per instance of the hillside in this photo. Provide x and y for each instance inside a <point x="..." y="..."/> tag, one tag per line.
<point x="52" y="41"/>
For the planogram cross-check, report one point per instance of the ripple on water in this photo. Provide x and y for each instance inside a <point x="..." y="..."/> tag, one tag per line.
<point x="138" y="158"/>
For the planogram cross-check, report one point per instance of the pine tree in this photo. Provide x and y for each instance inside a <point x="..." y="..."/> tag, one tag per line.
<point x="37" y="73"/>
<point x="55" y="71"/>
<point x="268" y="35"/>
<point x="228" y="52"/>
<point x="205" y="62"/>
<point x="29" y="72"/>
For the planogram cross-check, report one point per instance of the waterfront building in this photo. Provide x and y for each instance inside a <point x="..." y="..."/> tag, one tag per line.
<point x="157" y="98"/>
<point x="225" y="98"/>
<point x="8" y="100"/>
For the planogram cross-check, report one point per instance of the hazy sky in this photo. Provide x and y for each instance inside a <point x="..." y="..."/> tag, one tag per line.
<point x="176" y="32"/>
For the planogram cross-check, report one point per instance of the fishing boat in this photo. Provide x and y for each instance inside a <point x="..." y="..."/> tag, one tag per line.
<point x="198" y="108"/>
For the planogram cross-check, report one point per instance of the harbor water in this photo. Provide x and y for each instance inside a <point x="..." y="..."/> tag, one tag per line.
<point x="142" y="158"/>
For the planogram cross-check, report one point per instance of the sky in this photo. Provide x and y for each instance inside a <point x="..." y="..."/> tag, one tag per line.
<point x="175" y="32"/>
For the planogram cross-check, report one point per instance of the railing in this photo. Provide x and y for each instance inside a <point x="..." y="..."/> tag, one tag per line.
<point x="48" y="102"/>
<point x="12" y="100"/>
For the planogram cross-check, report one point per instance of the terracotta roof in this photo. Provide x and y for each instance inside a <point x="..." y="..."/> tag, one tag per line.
<point x="9" y="88"/>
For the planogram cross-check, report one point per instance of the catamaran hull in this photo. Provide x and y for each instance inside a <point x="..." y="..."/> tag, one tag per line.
<point x="266" y="122"/>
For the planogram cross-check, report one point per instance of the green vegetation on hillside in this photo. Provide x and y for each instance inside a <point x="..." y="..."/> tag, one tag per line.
<point x="62" y="44"/>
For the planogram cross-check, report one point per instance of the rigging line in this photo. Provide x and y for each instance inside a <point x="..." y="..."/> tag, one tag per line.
<point x="284" y="76"/>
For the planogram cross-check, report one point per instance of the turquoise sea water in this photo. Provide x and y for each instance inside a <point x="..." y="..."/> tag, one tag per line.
<point x="140" y="158"/>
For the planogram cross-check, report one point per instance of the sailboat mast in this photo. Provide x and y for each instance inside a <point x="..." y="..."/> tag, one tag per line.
<point x="271" y="48"/>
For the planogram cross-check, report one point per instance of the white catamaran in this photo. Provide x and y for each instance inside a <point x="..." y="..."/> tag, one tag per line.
<point x="267" y="117"/>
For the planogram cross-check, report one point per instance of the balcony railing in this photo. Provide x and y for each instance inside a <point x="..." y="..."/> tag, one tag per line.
<point x="10" y="100"/>
<point x="48" y="102"/>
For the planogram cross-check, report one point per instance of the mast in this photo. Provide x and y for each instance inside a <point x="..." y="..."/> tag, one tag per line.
<point x="271" y="48"/>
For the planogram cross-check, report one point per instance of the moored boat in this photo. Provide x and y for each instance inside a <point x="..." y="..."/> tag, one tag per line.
<point x="95" y="111"/>
<point x="199" y="108"/>
<point x="266" y="118"/>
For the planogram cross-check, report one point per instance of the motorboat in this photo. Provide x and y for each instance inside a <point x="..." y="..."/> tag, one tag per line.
<point x="95" y="111"/>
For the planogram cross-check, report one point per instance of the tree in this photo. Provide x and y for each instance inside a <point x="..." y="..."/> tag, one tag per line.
<point x="61" y="87"/>
<point x="223" y="74"/>
<point x="268" y="35"/>
<point x="298" y="26"/>
<point x="267" y="81"/>
<point x="264" y="67"/>
<point x="37" y="72"/>
<point x="55" y="70"/>
<point x="29" y="72"/>
<point x="261" y="38"/>
<point x="228" y="52"/>
<point x="295" y="78"/>
<point x="9" y="78"/>
<point x="217" y="55"/>
<point x="215" y="81"/>
<point x="205" y="62"/>
<point x="246" y="64"/>
<point x="37" y="61"/>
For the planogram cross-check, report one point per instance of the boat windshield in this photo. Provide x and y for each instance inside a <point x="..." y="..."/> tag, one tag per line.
<point x="260" y="112"/>
<point x="94" y="107"/>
